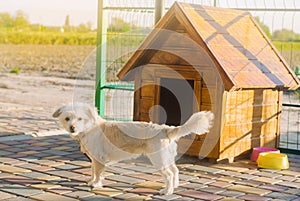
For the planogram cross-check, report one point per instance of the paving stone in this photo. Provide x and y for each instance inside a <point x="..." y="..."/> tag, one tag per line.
<point x="248" y="189"/>
<point x="283" y="196"/>
<point x="145" y="176"/>
<point x="39" y="168"/>
<point x="6" y="153"/>
<point x="150" y="184"/>
<point x="203" y="181"/>
<point x="212" y="189"/>
<point x="61" y="190"/>
<point x="227" y="179"/>
<point x="142" y="169"/>
<point x="50" y="178"/>
<point x="79" y="194"/>
<point x="140" y="197"/>
<point x="294" y="191"/>
<point x="221" y="184"/>
<point x="66" y="167"/>
<point x="121" y="186"/>
<point x="64" y="173"/>
<point x="233" y="194"/>
<point x="230" y="167"/>
<point x="205" y="169"/>
<point x="32" y="153"/>
<point x="45" y="186"/>
<point x="194" y="186"/>
<point x="267" y="174"/>
<point x="21" y="190"/>
<point x="267" y="180"/>
<point x="289" y="173"/>
<point x="230" y="173"/>
<point x="61" y="148"/>
<point x="118" y="170"/>
<point x="248" y="183"/>
<point x="71" y="183"/>
<point x="5" y="175"/>
<point x="273" y="187"/>
<point x="34" y="175"/>
<point x="251" y="171"/>
<point x="199" y="195"/>
<point x="56" y="152"/>
<point x="289" y="184"/>
<point x="13" y="169"/>
<point x="230" y="199"/>
<point x="246" y="176"/>
<point x="287" y="178"/>
<point x="186" y="199"/>
<point x="144" y="191"/>
<point x="167" y="197"/>
<point x="80" y="163"/>
<point x="110" y="192"/>
<point x="16" y="179"/>
<point x="19" y="198"/>
<point x="187" y="177"/>
<point x="126" y="196"/>
<point x="125" y="179"/>
<point x="51" y="196"/>
<point x="4" y="195"/>
<point x="252" y="197"/>
<point x="96" y="198"/>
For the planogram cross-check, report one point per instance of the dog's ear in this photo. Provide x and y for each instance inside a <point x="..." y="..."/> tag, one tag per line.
<point x="92" y="113"/>
<point x="58" y="112"/>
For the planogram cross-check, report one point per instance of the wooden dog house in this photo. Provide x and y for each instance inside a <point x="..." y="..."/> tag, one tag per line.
<point x="207" y="58"/>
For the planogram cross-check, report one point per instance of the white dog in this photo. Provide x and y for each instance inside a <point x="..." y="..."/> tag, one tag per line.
<point x="105" y="142"/>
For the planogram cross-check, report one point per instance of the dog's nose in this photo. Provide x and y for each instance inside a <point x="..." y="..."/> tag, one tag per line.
<point x="72" y="128"/>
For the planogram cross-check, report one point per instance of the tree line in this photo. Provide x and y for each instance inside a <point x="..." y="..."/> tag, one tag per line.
<point x="20" y="22"/>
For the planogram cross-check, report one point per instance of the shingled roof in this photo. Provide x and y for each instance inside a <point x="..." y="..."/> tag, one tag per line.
<point x="242" y="53"/>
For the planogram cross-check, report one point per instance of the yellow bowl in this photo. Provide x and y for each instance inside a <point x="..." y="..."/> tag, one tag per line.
<point x="271" y="160"/>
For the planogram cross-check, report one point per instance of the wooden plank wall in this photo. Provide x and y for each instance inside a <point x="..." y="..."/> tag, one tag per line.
<point x="251" y="120"/>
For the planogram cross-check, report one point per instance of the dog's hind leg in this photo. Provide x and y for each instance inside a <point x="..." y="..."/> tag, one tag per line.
<point x="169" y="179"/>
<point x="175" y="171"/>
<point x="98" y="171"/>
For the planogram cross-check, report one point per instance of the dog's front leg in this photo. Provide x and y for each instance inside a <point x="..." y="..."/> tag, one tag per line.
<point x="169" y="179"/>
<point x="99" y="170"/>
<point x="93" y="174"/>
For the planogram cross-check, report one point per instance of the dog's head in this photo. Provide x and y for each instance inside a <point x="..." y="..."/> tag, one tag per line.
<point x="77" y="117"/>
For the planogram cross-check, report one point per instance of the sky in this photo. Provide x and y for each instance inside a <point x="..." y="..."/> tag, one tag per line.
<point x="54" y="12"/>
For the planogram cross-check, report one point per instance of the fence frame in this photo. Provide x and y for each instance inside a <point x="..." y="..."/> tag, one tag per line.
<point x="159" y="9"/>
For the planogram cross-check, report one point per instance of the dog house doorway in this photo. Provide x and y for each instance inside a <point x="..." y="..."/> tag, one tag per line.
<point x="176" y="99"/>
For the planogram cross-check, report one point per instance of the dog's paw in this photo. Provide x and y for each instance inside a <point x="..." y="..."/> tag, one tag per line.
<point x="97" y="185"/>
<point x="90" y="182"/>
<point x="166" y="191"/>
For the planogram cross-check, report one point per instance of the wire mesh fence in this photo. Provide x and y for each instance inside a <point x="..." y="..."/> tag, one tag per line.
<point x="128" y="22"/>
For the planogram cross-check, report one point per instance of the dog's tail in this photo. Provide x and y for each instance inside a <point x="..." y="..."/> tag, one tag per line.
<point x="199" y="123"/>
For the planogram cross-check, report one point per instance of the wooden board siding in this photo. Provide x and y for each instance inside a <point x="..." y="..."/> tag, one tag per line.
<point x="250" y="120"/>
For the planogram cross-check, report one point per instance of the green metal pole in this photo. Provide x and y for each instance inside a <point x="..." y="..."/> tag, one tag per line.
<point x="159" y="9"/>
<point x="216" y="3"/>
<point x="100" y="58"/>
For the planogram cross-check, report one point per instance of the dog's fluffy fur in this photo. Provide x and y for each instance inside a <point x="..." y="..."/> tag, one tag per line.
<point x="106" y="142"/>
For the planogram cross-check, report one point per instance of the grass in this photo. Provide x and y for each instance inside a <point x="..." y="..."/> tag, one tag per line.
<point x="47" y="38"/>
<point x="286" y="45"/>
<point x="67" y="38"/>
<point x="90" y="38"/>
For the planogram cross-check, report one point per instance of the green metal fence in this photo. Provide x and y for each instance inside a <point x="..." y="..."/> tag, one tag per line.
<point x="123" y="24"/>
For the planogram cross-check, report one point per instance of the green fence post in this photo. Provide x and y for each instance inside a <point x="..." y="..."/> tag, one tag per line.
<point x="100" y="58"/>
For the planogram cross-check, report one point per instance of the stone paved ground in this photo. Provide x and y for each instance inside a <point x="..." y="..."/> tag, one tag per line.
<point x="38" y="161"/>
<point x="51" y="167"/>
